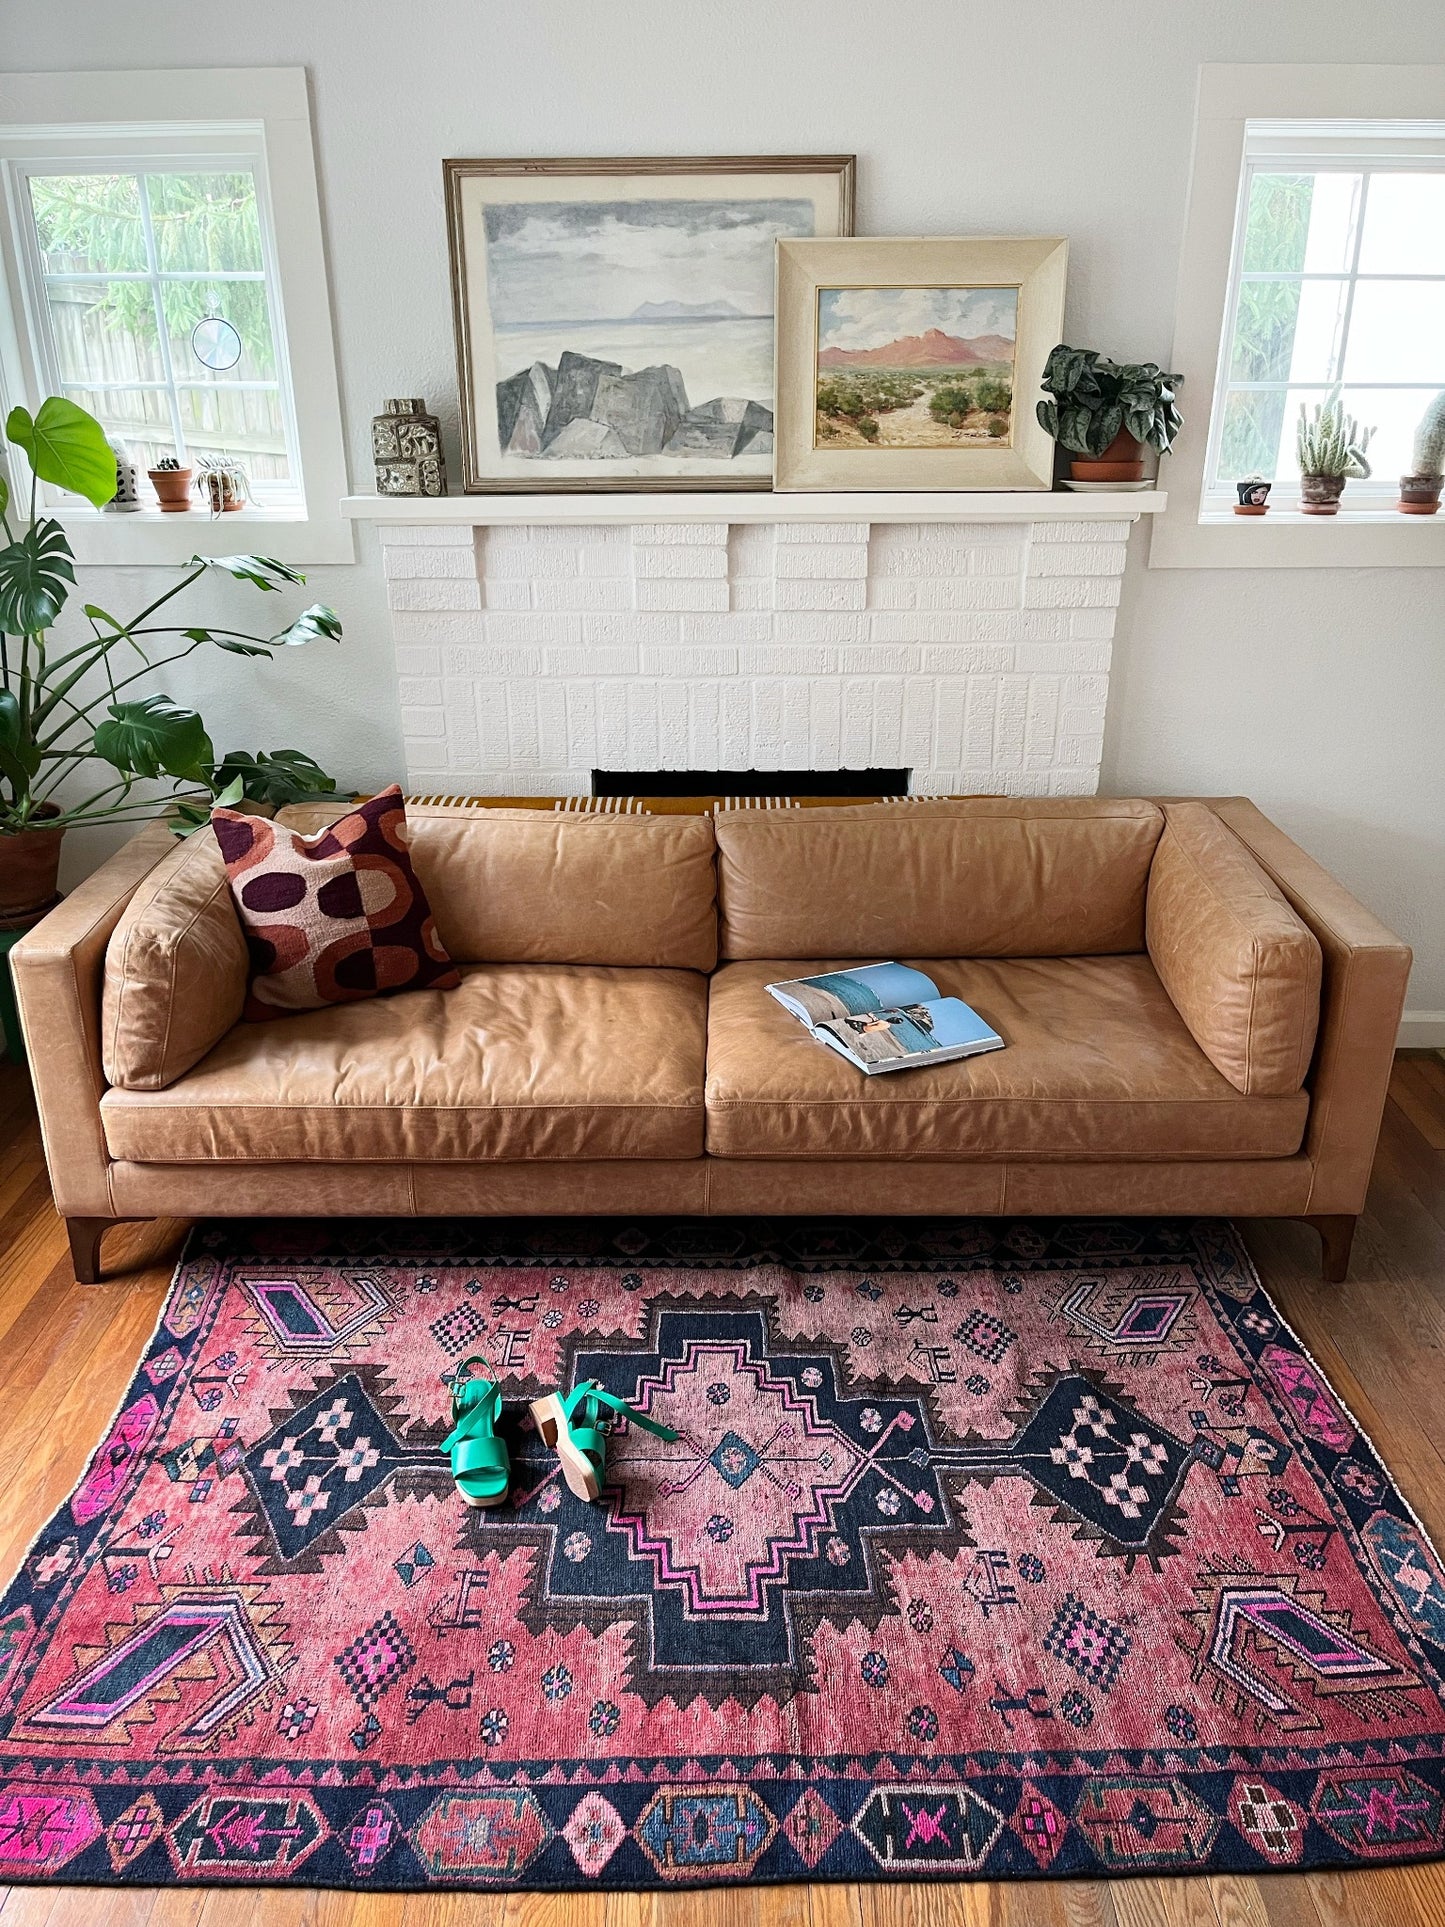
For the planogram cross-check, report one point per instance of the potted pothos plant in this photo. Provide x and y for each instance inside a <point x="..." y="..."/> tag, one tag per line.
<point x="71" y="711"/>
<point x="1106" y="413"/>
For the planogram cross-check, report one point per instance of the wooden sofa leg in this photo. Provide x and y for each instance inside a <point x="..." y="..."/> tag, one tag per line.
<point x="85" y="1235"/>
<point x="1336" y="1236"/>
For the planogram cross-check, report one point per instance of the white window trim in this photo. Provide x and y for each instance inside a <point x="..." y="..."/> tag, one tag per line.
<point x="1364" y="537"/>
<point x="272" y="102"/>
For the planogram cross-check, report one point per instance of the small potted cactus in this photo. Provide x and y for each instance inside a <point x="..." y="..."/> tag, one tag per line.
<point x="1332" y="447"/>
<point x="1253" y="494"/>
<point x="172" y="484"/>
<point x="1420" y="492"/>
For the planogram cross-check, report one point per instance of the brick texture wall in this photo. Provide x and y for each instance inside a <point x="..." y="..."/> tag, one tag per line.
<point x="977" y="655"/>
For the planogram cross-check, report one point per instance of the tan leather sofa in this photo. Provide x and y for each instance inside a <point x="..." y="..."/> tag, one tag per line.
<point x="1198" y="1019"/>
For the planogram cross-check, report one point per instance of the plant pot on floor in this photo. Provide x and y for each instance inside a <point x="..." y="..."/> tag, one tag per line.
<point x="172" y="487"/>
<point x="1419" y="494"/>
<point x="1121" y="461"/>
<point x="1320" y="494"/>
<point x="29" y="867"/>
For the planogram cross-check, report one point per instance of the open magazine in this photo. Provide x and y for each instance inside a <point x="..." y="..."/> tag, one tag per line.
<point x="885" y="1017"/>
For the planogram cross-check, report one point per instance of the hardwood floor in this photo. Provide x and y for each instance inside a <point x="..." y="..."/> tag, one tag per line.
<point x="67" y="1352"/>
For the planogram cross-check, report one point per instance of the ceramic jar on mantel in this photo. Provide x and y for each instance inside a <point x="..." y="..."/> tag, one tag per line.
<point x="406" y="445"/>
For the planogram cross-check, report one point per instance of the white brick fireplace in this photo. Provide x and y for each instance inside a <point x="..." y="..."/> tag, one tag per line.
<point x="780" y="633"/>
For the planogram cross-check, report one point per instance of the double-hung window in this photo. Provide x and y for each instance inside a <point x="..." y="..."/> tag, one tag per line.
<point x="1338" y="280"/>
<point x="166" y="274"/>
<point x="157" y="311"/>
<point x="1313" y="263"/>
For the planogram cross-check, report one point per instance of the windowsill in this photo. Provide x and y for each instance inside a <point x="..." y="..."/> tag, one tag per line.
<point x="149" y="538"/>
<point x="1374" y="537"/>
<point x="1376" y="516"/>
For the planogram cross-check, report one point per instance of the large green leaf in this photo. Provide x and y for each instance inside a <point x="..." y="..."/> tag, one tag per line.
<point x="66" y="447"/>
<point x="33" y="575"/>
<point x="263" y="570"/>
<point x="276" y="776"/>
<point x="19" y="758"/>
<point x="155" y="737"/>
<point x="316" y="621"/>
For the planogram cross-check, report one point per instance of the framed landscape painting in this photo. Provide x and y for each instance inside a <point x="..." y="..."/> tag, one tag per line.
<point x="614" y="318"/>
<point x="915" y="364"/>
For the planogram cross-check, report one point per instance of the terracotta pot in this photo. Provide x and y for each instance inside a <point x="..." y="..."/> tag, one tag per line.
<point x="1320" y="494"/>
<point x="1253" y="498"/>
<point x="222" y="489"/>
<point x="1121" y="461"/>
<point x="172" y="487"/>
<point x="29" y="866"/>
<point x="1419" y="494"/>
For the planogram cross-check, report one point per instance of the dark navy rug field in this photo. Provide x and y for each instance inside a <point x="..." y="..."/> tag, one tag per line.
<point x="981" y="1549"/>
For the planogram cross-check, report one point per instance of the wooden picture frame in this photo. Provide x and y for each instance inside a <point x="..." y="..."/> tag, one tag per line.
<point x="666" y="325"/>
<point x="915" y="363"/>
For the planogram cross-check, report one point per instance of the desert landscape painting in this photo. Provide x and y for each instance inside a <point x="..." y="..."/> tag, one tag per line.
<point x="915" y="367"/>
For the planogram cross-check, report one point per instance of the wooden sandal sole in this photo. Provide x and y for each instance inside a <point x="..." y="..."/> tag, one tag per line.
<point x="577" y="1469"/>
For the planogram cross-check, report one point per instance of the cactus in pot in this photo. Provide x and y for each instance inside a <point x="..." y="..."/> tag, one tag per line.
<point x="1420" y="491"/>
<point x="172" y="484"/>
<point x="1331" y="446"/>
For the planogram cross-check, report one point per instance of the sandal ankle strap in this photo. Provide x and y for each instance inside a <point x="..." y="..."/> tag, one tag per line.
<point x="590" y="1388"/>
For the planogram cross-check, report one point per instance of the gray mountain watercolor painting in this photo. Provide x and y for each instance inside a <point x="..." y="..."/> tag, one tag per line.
<point x="636" y="329"/>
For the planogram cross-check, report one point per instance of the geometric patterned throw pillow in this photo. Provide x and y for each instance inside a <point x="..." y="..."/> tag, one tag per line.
<point x="334" y="917"/>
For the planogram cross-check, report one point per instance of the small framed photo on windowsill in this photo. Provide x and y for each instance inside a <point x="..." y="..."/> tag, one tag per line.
<point x="915" y="364"/>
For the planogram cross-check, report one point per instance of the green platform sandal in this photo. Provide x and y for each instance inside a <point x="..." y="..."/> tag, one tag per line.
<point x="481" y="1464"/>
<point x="574" y="1426"/>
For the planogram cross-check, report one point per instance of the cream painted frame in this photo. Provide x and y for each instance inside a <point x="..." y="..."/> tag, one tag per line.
<point x="1036" y="267"/>
<point x="1186" y="537"/>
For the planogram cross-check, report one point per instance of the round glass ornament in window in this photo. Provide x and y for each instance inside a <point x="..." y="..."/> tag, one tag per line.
<point x="215" y="343"/>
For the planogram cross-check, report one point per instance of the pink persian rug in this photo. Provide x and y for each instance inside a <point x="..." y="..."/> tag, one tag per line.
<point x="985" y="1549"/>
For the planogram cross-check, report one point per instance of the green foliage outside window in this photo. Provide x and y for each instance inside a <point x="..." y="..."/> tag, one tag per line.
<point x="1277" y="229"/>
<point x="202" y="224"/>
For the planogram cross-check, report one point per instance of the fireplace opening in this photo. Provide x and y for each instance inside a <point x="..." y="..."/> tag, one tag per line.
<point x="861" y="784"/>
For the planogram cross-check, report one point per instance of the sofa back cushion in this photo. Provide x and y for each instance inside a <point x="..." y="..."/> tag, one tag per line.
<point x="542" y="886"/>
<point x="1240" y="967"/>
<point x="175" y="970"/>
<point x="977" y="877"/>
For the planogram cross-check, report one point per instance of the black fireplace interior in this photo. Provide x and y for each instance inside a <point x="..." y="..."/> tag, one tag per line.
<point x="750" y="782"/>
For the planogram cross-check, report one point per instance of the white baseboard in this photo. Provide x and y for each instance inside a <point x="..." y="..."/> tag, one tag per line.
<point x="1422" y="1030"/>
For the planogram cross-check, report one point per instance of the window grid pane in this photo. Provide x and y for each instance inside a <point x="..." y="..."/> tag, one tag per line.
<point x="1305" y="316"/>
<point x="130" y="263"/>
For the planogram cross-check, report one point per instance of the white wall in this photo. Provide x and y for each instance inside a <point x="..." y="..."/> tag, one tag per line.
<point x="1322" y="696"/>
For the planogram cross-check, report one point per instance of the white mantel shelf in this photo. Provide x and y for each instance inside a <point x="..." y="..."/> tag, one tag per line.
<point x="750" y="505"/>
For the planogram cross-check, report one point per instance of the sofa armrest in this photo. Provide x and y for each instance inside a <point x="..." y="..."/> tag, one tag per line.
<point x="1241" y="968"/>
<point x="1365" y="971"/>
<point x="57" y="970"/>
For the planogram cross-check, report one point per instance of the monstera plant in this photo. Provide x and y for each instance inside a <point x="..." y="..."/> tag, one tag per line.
<point x="82" y="724"/>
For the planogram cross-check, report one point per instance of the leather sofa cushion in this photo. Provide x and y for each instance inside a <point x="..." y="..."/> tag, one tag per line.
<point x="537" y="886"/>
<point x="539" y="1061"/>
<point x="983" y="876"/>
<point x="175" y="969"/>
<point x="1242" y="969"/>
<point x="1098" y="1066"/>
